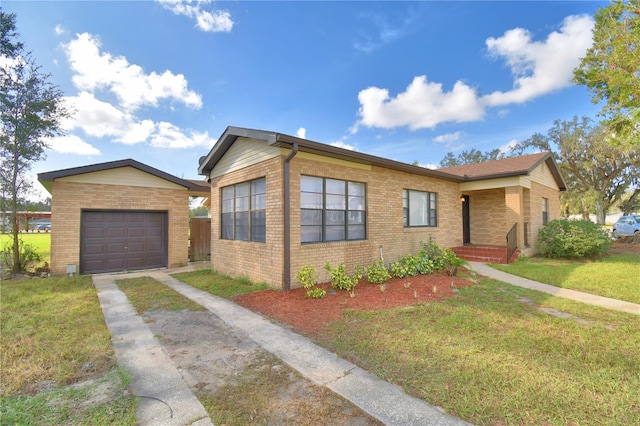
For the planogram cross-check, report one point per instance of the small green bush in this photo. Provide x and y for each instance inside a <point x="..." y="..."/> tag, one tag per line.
<point x="431" y="258"/>
<point x="340" y="280"/>
<point x="29" y="257"/>
<point x="377" y="273"/>
<point x="307" y="276"/>
<point x="571" y="239"/>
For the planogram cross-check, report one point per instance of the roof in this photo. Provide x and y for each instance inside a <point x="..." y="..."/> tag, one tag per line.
<point x="515" y="166"/>
<point x="208" y="162"/>
<point x="508" y="167"/>
<point x="47" y="178"/>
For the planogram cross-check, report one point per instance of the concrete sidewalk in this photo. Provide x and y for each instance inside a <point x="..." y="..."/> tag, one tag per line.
<point x="154" y="375"/>
<point x="591" y="299"/>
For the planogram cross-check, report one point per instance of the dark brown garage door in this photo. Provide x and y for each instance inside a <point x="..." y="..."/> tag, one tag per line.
<point x="120" y="240"/>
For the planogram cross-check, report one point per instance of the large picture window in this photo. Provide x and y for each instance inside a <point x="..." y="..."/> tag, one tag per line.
<point x="419" y="208"/>
<point x="332" y="210"/>
<point x="243" y="211"/>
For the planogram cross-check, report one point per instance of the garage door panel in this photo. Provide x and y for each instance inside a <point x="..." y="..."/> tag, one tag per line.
<point x="117" y="241"/>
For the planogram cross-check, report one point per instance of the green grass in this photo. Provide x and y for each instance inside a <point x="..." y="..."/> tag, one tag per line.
<point x="147" y="294"/>
<point x="616" y="276"/>
<point x="219" y="284"/>
<point x="41" y="243"/>
<point x="53" y="333"/>
<point x="490" y="358"/>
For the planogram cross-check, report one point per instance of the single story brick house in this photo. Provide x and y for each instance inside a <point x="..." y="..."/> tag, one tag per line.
<point x="118" y="216"/>
<point x="280" y="202"/>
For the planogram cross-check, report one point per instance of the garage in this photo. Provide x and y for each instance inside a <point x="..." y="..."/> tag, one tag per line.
<point x="115" y="240"/>
<point x="119" y="216"/>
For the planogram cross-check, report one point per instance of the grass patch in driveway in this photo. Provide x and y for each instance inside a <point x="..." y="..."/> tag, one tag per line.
<point x="147" y="294"/>
<point x="53" y="335"/>
<point x="219" y="284"/>
<point x="492" y="356"/>
<point x="616" y="276"/>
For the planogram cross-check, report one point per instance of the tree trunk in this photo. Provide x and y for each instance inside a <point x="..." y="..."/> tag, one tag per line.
<point x="16" y="243"/>
<point x="585" y="212"/>
<point x="601" y="216"/>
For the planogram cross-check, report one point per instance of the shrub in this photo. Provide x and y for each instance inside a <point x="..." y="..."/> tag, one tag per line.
<point x="570" y="239"/>
<point x="307" y="276"/>
<point x="410" y="266"/>
<point x="377" y="273"/>
<point x="340" y="279"/>
<point x="29" y="257"/>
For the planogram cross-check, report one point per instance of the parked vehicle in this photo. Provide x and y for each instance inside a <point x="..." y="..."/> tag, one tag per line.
<point x="626" y="225"/>
<point x="44" y="228"/>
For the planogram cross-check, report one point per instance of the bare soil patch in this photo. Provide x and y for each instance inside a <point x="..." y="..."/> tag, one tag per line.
<point x="240" y="383"/>
<point x="311" y="316"/>
<point x="626" y="245"/>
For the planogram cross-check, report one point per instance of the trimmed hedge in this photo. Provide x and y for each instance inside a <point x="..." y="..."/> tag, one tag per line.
<point x="571" y="239"/>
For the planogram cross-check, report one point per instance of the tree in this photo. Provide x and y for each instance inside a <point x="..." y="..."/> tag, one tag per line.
<point x="595" y="167"/>
<point x="470" y="157"/>
<point x="611" y="67"/>
<point x="31" y="110"/>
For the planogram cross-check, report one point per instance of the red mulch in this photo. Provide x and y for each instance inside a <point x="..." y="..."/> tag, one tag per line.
<point x="311" y="316"/>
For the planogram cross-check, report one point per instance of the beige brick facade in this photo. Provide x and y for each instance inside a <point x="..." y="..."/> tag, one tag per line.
<point x="70" y="198"/>
<point x="386" y="235"/>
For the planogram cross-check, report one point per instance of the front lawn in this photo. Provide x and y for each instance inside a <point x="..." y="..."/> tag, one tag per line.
<point x="494" y="354"/>
<point x="54" y="335"/>
<point x="616" y="276"/>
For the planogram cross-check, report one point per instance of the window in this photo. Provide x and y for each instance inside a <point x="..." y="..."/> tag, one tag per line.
<point x="243" y="211"/>
<point x="545" y="211"/>
<point x="331" y="210"/>
<point x="419" y="208"/>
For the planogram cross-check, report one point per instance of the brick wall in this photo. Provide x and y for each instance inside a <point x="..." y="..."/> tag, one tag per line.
<point x="488" y="217"/>
<point x="385" y="232"/>
<point x="69" y="198"/>
<point x="537" y="193"/>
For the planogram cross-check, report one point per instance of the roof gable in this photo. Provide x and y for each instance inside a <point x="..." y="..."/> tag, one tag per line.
<point x="508" y="167"/>
<point x="47" y="178"/>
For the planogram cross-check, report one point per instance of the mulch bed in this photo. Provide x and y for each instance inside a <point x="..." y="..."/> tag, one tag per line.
<point x="311" y="316"/>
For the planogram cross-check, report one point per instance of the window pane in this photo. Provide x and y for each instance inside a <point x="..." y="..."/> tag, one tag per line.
<point x="242" y="189"/>
<point x="258" y="201"/>
<point x="242" y="204"/>
<point x="311" y="234"/>
<point x="335" y="186"/>
<point x="258" y="226"/>
<point x="226" y="229"/>
<point x="356" y="232"/>
<point x="309" y="200"/>
<point x="227" y="206"/>
<point x="242" y="226"/>
<point x="311" y="217"/>
<point x="335" y="233"/>
<point x="310" y="184"/>
<point x="259" y="186"/>
<point x="356" y="218"/>
<point x="335" y="217"/>
<point x="418" y="208"/>
<point x="336" y="202"/>
<point x="356" y="203"/>
<point x="356" y="189"/>
<point x="227" y="193"/>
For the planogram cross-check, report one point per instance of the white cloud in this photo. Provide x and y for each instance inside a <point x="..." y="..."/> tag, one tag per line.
<point x="383" y="32"/>
<point x="72" y="144"/>
<point x="448" y="137"/>
<point x="301" y="133"/>
<point x="341" y="144"/>
<point x="60" y="30"/>
<point x="540" y="67"/>
<point x="508" y="146"/>
<point x="429" y="166"/>
<point x="97" y="70"/>
<point x="171" y="136"/>
<point x="214" y="21"/>
<point x="422" y="105"/>
<point x="101" y="119"/>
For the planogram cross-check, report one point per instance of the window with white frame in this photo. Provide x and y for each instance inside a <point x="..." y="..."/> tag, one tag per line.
<point x="419" y="208"/>
<point x="332" y="210"/>
<point x="243" y="211"/>
<point x="545" y="211"/>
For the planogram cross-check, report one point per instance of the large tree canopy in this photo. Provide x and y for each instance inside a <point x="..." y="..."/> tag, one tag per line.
<point x="31" y="110"/>
<point x="611" y="67"/>
<point x="597" y="169"/>
<point x="470" y="157"/>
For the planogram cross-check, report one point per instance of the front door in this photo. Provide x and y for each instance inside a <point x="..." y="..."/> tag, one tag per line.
<point x="466" y="226"/>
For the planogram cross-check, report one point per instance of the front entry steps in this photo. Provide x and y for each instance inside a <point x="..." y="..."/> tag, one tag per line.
<point x="485" y="254"/>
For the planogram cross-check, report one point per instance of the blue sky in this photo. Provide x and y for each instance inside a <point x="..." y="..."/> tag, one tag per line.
<point x="159" y="81"/>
